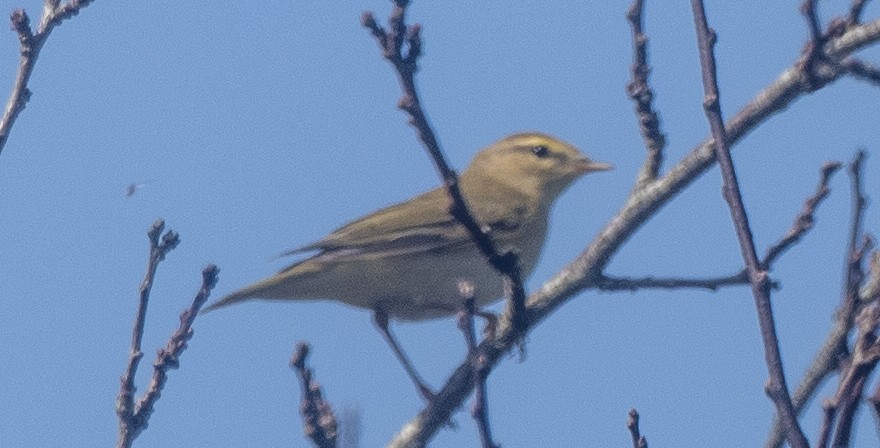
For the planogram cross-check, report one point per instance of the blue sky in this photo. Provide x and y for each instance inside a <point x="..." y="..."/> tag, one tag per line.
<point x="259" y="127"/>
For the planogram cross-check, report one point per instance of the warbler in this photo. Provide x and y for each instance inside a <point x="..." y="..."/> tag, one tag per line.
<point x="409" y="261"/>
<point x="406" y="261"/>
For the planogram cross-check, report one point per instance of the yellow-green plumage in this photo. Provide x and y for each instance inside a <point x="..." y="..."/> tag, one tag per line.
<point x="407" y="260"/>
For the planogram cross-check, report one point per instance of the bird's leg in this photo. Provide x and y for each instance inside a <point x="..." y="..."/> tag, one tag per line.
<point x="381" y="320"/>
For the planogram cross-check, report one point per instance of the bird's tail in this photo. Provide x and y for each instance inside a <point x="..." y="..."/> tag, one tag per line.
<point x="265" y="289"/>
<point x="238" y="296"/>
<point x="286" y="285"/>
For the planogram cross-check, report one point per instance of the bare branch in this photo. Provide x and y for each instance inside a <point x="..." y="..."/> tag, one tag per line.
<point x="855" y="12"/>
<point x="125" y="407"/>
<point x="805" y="219"/>
<point x="30" y="44"/>
<point x="639" y="90"/>
<point x="632" y="424"/>
<point x="480" y="410"/>
<point x="776" y="386"/>
<point x="834" y="349"/>
<point x="803" y="223"/>
<point x="610" y="283"/>
<point x="852" y="380"/>
<point x="812" y="53"/>
<point x="855" y="255"/>
<point x="874" y="399"/>
<point x="133" y="418"/>
<point x="829" y="411"/>
<point x="168" y="357"/>
<point x="862" y="70"/>
<point x="319" y="421"/>
<point x="808" y="9"/>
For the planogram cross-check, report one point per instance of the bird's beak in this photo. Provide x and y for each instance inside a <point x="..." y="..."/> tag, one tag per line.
<point x="586" y="165"/>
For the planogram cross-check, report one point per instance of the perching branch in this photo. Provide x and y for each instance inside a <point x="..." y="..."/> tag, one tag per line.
<point x="405" y="64"/>
<point x="480" y="409"/>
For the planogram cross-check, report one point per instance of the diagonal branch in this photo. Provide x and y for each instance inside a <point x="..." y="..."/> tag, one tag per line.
<point x="805" y="219"/>
<point x="405" y="64"/>
<point x="862" y="70"/>
<point x="168" y="357"/>
<point x="855" y="12"/>
<point x="776" y="386"/>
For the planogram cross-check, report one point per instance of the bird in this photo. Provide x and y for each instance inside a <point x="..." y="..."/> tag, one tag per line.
<point x="408" y="261"/>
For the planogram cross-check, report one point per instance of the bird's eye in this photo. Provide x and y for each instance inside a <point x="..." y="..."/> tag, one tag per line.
<point x="540" y="151"/>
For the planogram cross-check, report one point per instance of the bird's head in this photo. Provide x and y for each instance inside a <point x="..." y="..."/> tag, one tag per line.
<point x="534" y="163"/>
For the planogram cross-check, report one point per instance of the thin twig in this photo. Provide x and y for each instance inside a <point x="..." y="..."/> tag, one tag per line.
<point x="829" y="411"/>
<point x="776" y="386"/>
<point x="808" y="9"/>
<point x="639" y="90"/>
<point x="851" y="382"/>
<point x="391" y="43"/>
<point x="319" y="420"/>
<point x="866" y="354"/>
<point x="862" y="70"/>
<point x="133" y="418"/>
<point x="168" y="357"/>
<point x="855" y="256"/>
<point x="834" y="347"/>
<point x="855" y="12"/>
<point x="611" y="283"/>
<point x="632" y="424"/>
<point x="125" y="406"/>
<point x="30" y="44"/>
<point x="803" y="223"/>
<point x="812" y="53"/>
<point x="834" y="353"/>
<point x="874" y="399"/>
<point x="805" y="219"/>
<point x="480" y="410"/>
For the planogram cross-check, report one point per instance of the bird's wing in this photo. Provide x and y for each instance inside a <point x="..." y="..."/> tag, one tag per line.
<point x="408" y="228"/>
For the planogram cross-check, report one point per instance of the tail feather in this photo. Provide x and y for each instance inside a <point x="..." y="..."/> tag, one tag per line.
<point x="238" y="296"/>
<point x="260" y="290"/>
<point x="284" y="285"/>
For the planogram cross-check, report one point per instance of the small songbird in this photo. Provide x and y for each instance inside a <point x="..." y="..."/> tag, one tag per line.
<point x="407" y="261"/>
